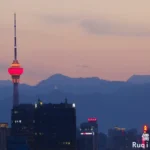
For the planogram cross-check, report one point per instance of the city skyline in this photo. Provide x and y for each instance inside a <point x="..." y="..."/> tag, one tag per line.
<point x="76" y="38"/>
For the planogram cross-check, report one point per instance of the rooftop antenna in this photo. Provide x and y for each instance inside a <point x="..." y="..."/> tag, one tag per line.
<point x="15" y="38"/>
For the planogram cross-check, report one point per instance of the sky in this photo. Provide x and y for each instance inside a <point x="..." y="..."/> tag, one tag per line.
<point x="109" y="39"/>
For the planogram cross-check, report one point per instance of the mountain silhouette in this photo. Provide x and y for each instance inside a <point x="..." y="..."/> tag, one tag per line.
<point x="79" y="85"/>
<point x="112" y="102"/>
<point x="139" y="79"/>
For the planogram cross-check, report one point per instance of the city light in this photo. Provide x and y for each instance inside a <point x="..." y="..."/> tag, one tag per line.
<point x="35" y="105"/>
<point x="86" y="133"/>
<point x="145" y="128"/>
<point x="92" y="119"/>
<point x="74" y="105"/>
<point x="3" y="125"/>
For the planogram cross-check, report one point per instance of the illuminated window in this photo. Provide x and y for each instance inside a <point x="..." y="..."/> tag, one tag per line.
<point x="41" y="133"/>
<point x="73" y="105"/>
<point x="35" y="105"/>
<point x="19" y="121"/>
<point x="15" y="112"/>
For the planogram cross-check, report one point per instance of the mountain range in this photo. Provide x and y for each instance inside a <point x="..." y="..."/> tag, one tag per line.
<point x="125" y="104"/>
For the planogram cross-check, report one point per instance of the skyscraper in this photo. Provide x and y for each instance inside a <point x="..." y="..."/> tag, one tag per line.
<point x="17" y="143"/>
<point x="45" y="126"/>
<point x="55" y="126"/>
<point x="15" y="70"/>
<point x="117" y="138"/>
<point x="89" y="135"/>
<point x="22" y="123"/>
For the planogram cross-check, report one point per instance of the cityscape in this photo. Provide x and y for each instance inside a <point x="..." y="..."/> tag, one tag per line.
<point x="73" y="113"/>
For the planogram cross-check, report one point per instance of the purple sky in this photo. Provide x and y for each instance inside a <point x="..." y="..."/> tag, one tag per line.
<point x="109" y="39"/>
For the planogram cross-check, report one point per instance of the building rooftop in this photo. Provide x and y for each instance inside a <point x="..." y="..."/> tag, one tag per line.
<point x="3" y="125"/>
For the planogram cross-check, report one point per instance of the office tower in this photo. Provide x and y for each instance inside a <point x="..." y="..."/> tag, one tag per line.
<point x="117" y="138"/>
<point x="55" y="126"/>
<point x="94" y="124"/>
<point x="78" y="138"/>
<point x="17" y="143"/>
<point x="89" y="135"/>
<point x="131" y="136"/>
<point x="22" y="117"/>
<point x="4" y="132"/>
<point x="15" y="70"/>
<point x="102" y="141"/>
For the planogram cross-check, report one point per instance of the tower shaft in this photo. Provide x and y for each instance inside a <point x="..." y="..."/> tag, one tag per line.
<point x="15" y="95"/>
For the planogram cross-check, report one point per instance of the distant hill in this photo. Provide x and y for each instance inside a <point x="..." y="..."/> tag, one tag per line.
<point x="121" y="103"/>
<point x="79" y="85"/>
<point x="139" y="79"/>
<point x="5" y="83"/>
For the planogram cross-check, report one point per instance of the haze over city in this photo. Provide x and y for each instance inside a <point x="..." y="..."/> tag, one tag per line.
<point x="107" y="39"/>
<point x="74" y="75"/>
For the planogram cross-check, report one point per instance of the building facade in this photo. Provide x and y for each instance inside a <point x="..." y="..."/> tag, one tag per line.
<point x="55" y="126"/>
<point x="89" y="135"/>
<point x="120" y="138"/>
<point x="17" y="143"/>
<point x="22" y="122"/>
<point x="45" y="126"/>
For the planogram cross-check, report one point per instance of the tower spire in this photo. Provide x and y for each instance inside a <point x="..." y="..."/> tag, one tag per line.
<point x="15" y="38"/>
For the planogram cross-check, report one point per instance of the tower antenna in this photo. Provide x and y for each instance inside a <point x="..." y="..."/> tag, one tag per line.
<point x="15" y="38"/>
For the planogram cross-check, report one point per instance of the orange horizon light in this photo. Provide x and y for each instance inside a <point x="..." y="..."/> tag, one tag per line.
<point x="145" y="128"/>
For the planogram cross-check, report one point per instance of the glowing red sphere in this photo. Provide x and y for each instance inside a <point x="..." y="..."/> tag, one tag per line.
<point x="15" y="71"/>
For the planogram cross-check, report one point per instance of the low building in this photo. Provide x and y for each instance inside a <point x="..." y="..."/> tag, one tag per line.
<point x="4" y="132"/>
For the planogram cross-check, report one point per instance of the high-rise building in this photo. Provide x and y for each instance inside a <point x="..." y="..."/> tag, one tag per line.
<point x="55" y="126"/>
<point x="15" y="70"/>
<point x="4" y="133"/>
<point x="89" y="135"/>
<point x="131" y="136"/>
<point x="22" y="118"/>
<point x="117" y="138"/>
<point x="48" y="126"/>
<point x="17" y="143"/>
<point x="102" y="141"/>
<point x="78" y="138"/>
<point x="94" y="124"/>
